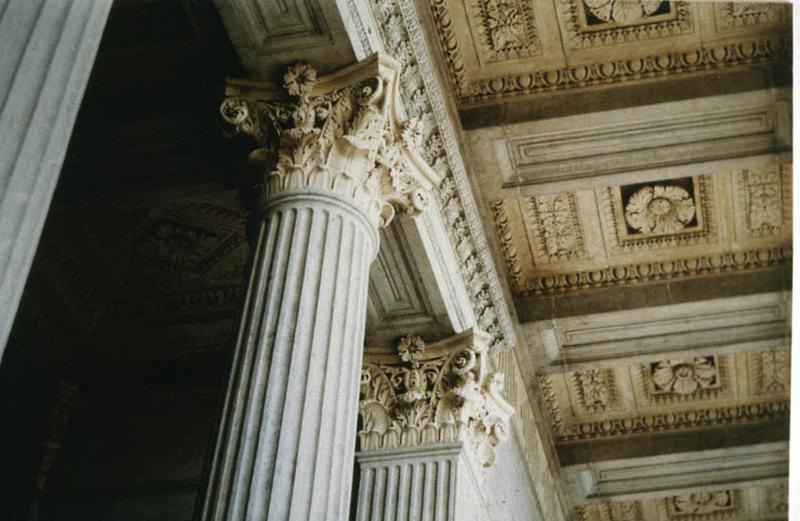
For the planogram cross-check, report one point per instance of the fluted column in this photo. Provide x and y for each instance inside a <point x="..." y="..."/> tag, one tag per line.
<point x="432" y="417"/>
<point x="333" y="161"/>
<point x="47" y="48"/>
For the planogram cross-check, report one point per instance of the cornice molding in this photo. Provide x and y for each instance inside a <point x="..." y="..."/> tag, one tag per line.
<point x="646" y="68"/>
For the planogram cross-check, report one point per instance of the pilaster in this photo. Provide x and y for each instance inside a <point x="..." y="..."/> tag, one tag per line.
<point x="432" y="420"/>
<point x="433" y="482"/>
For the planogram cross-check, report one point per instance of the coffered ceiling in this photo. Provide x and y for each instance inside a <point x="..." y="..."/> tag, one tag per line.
<point x="500" y="48"/>
<point x="633" y="233"/>
<point x="687" y="392"/>
<point x="645" y="240"/>
<point x="628" y="204"/>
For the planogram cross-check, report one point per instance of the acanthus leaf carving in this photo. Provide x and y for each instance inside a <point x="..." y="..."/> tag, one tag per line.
<point x="345" y="136"/>
<point x="557" y="227"/>
<point x="765" y="199"/>
<point x="771" y="371"/>
<point x="595" y="388"/>
<point x="444" y="394"/>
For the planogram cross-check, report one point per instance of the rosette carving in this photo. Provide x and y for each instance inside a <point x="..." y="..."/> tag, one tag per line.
<point x="441" y="393"/>
<point x="660" y="209"/>
<point x="702" y="503"/>
<point x="685" y="377"/>
<point x="623" y="11"/>
<point x="339" y="133"/>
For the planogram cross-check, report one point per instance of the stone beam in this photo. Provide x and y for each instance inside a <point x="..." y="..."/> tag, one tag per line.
<point x="717" y="326"/>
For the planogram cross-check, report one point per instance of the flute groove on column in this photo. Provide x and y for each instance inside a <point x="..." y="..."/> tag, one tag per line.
<point x="288" y="413"/>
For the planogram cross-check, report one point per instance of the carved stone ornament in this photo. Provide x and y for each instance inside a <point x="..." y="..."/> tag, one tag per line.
<point x="625" y="511"/>
<point x="623" y="11"/>
<point x="701" y="503"/>
<point x="659" y="209"/>
<point x="685" y="377"/>
<point x="595" y="388"/>
<point x="444" y="392"/>
<point x="342" y="133"/>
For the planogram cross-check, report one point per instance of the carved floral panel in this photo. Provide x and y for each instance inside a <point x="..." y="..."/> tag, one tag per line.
<point x="718" y="504"/>
<point x="700" y="377"/>
<point x="770" y="371"/>
<point x="555" y="228"/>
<point x="765" y="202"/>
<point x="658" y="396"/>
<point x="624" y="511"/>
<point x="595" y="390"/>
<point x="673" y="212"/>
<point x="640" y="232"/>
<point x="776" y="499"/>
<point x="555" y="45"/>
<point x="505" y="29"/>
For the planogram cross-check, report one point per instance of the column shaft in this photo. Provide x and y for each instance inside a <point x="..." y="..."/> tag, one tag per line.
<point x="286" y="443"/>
<point x="48" y="48"/>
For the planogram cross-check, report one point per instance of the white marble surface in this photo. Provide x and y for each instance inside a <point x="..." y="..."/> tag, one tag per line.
<point x="289" y="423"/>
<point x="48" y="49"/>
<point x="439" y="482"/>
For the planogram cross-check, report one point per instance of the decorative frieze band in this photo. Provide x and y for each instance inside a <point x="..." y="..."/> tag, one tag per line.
<point x="658" y="270"/>
<point x="671" y="421"/>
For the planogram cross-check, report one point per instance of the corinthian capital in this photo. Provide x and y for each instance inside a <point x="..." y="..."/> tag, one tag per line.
<point x="341" y="132"/>
<point x="443" y="392"/>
